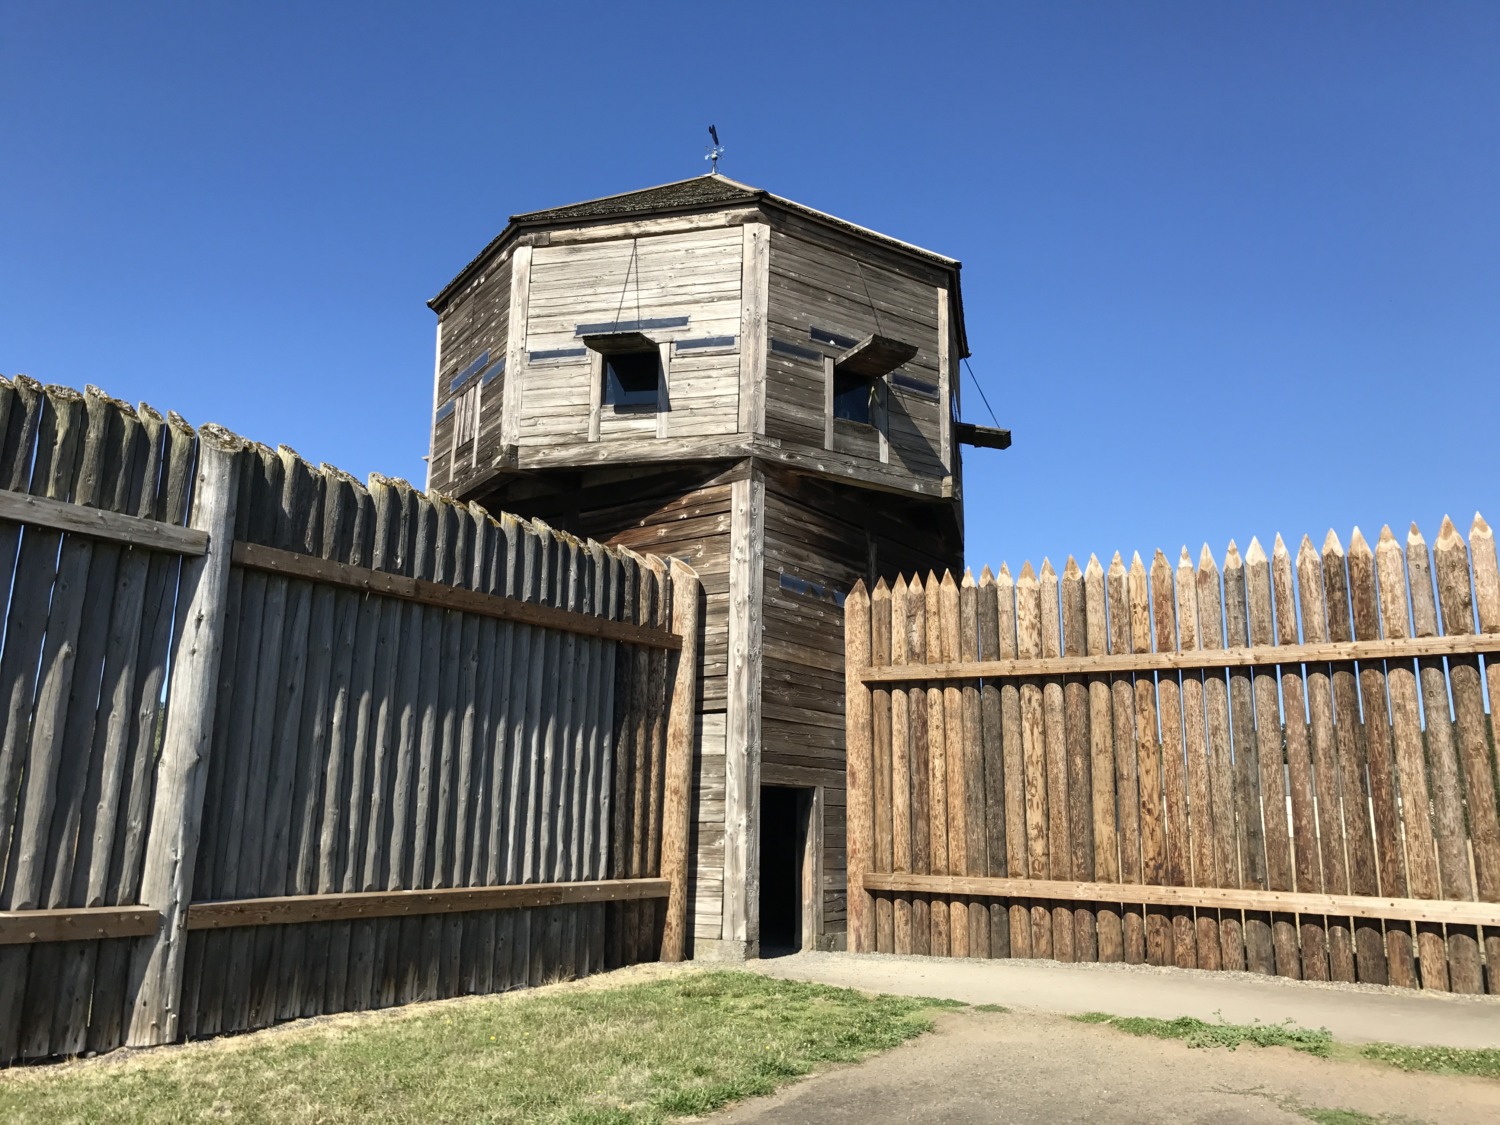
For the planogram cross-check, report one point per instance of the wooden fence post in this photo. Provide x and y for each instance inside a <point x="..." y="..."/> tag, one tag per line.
<point x="859" y="765"/>
<point x="177" y="809"/>
<point x="677" y="802"/>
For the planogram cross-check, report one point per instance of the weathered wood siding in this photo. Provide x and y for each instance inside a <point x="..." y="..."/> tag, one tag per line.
<point x="687" y="283"/>
<point x="822" y="542"/>
<point x="685" y="516"/>
<point x="822" y="280"/>
<point x="473" y="341"/>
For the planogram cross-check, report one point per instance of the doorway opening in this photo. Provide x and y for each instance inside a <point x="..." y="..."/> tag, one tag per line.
<point x="787" y="879"/>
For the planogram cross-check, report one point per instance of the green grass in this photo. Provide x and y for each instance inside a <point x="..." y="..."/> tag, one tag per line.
<point x="1482" y="1062"/>
<point x="990" y="1008"/>
<point x="1197" y="1033"/>
<point x="635" y="1053"/>
<point x="1338" y="1116"/>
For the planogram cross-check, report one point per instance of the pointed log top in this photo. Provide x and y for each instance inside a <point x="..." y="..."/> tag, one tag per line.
<point x="1159" y="559"/>
<point x="1004" y="577"/>
<point x="1357" y="544"/>
<point x="1306" y="551"/>
<point x="914" y="587"/>
<point x="1331" y="544"/>
<point x="1256" y="553"/>
<point x="1232" y="560"/>
<point x="1070" y="569"/>
<point x="986" y="576"/>
<point x="1386" y="536"/>
<point x="882" y="591"/>
<point x="1479" y="527"/>
<point x="1206" y="559"/>
<point x="948" y="582"/>
<point x="932" y="578"/>
<point x="1047" y="571"/>
<point x="1027" y="574"/>
<point x="1279" y="547"/>
<point x="899" y="586"/>
<point x="1093" y="570"/>
<point x="1447" y="532"/>
<point x="968" y="582"/>
<point x="1116" y="564"/>
<point x="1184" y="560"/>
<point x="227" y="440"/>
<point x="1135" y="561"/>
<point x="857" y="591"/>
<point x="1414" y="537"/>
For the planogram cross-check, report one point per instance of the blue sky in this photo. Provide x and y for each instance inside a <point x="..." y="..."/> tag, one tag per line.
<point x="1230" y="269"/>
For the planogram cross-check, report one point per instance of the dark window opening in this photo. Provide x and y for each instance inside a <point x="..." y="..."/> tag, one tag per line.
<point x="851" y="397"/>
<point x="632" y="380"/>
<point x="785" y="820"/>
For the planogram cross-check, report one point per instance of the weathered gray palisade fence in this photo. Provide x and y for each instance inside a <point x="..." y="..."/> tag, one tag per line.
<point x="1287" y="767"/>
<point x="276" y="743"/>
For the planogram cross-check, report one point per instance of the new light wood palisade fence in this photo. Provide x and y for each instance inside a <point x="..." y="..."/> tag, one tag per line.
<point x="277" y="744"/>
<point x="1287" y="768"/>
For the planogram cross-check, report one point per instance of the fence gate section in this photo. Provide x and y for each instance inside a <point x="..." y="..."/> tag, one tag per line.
<point x="1285" y="766"/>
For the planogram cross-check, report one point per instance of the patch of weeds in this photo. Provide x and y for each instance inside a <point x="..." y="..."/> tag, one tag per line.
<point x="990" y="1008"/>
<point x="939" y="1002"/>
<point x="1338" y="1116"/>
<point x="1480" y="1062"/>
<point x="1198" y="1033"/>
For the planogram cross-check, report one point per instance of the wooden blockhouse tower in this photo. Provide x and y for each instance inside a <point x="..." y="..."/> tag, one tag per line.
<point x="709" y="371"/>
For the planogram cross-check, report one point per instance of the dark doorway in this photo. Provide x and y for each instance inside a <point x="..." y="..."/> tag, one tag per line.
<point x="785" y="817"/>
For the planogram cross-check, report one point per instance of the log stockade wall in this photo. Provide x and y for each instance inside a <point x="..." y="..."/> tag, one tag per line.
<point x="1286" y="767"/>
<point x="276" y="743"/>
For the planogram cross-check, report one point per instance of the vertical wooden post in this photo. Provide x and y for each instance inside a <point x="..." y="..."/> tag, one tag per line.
<point x="177" y="810"/>
<point x="755" y="287"/>
<point x="677" y="803"/>
<point x="741" y="918"/>
<point x="858" y="768"/>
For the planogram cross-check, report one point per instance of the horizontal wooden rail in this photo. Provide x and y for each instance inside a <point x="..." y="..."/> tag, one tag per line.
<point x="99" y="524"/>
<point x="1400" y="648"/>
<point x="291" y="909"/>
<point x="26" y="927"/>
<point x="1453" y="912"/>
<point x="255" y="557"/>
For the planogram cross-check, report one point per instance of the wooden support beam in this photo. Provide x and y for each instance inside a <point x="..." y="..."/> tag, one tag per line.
<point x="874" y="356"/>
<point x="97" y="523"/>
<point x="1286" y="902"/>
<point x="1397" y="648"/>
<point x="981" y="437"/>
<point x="253" y="556"/>
<point x="292" y="909"/>
<point x="25" y="927"/>
<point x="677" y="799"/>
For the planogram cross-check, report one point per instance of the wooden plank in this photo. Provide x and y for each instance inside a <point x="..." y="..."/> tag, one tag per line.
<point x="1389" y="847"/>
<point x="1349" y="747"/>
<point x="1400" y="648"/>
<point x="880" y="764"/>
<point x="1306" y="872"/>
<point x="443" y="596"/>
<point x="29" y="927"/>
<point x="1331" y="833"/>
<point x="294" y="909"/>
<point x="743" y="738"/>
<point x="1034" y="753"/>
<point x="515" y="345"/>
<point x="1127" y="784"/>
<point x="901" y="762"/>
<point x="992" y="749"/>
<point x="972" y="760"/>
<point x="937" y="770"/>
<point x="1079" y="774"/>
<point x="1173" y="765"/>
<point x="755" y="267"/>
<point x="1465" y="973"/>
<point x="1199" y="811"/>
<point x="166" y="882"/>
<point x="1104" y="864"/>
<point x="920" y="771"/>
<point x="1411" y="763"/>
<point x="1221" y="801"/>
<point x="100" y="523"/>
<point x="1059" y="832"/>
<point x="860" y="757"/>
<point x="1486" y="603"/>
<point x="1435" y="911"/>
<point x="677" y="800"/>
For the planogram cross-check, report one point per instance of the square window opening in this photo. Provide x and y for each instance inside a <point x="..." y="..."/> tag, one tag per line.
<point x="851" y="397"/>
<point x="632" y="381"/>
